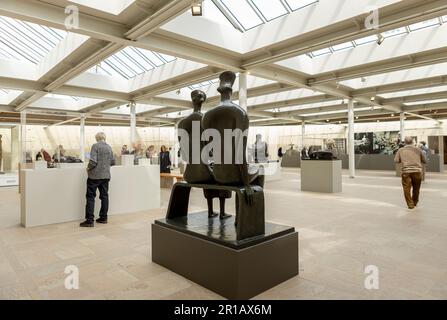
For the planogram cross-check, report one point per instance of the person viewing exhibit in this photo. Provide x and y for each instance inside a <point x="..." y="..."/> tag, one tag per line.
<point x="236" y="149"/>
<point x="101" y="159"/>
<point x="412" y="160"/>
<point x="164" y="160"/>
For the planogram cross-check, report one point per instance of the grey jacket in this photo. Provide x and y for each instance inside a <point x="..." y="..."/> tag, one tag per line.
<point x="101" y="159"/>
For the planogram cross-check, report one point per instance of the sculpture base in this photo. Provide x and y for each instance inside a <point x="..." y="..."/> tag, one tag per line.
<point x="235" y="270"/>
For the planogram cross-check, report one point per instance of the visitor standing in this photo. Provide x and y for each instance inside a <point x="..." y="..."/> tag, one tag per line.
<point x="164" y="160"/>
<point x="101" y="159"/>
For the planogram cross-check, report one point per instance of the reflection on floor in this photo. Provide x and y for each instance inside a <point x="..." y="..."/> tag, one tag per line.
<point x="340" y="235"/>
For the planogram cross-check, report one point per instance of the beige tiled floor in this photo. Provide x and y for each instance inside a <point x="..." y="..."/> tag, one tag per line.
<point x="340" y="234"/>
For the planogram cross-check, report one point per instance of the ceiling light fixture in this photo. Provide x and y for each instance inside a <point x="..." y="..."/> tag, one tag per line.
<point x="197" y="9"/>
<point x="363" y="79"/>
<point x="380" y="39"/>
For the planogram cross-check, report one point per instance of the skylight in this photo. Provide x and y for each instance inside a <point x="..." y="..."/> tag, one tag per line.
<point x="203" y="84"/>
<point x="21" y="40"/>
<point x="425" y="24"/>
<point x="387" y="34"/>
<point x="299" y="4"/>
<point x="130" y="62"/>
<point x="248" y="14"/>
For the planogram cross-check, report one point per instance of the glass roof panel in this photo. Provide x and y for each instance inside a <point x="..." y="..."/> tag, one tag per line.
<point x="130" y="62"/>
<point x="343" y="46"/>
<point x="365" y="40"/>
<point x="424" y="24"/>
<point x="298" y="4"/>
<point x="243" y="12"/>
<point x="270" y="9"/>
<point x="425" y="102"/>
<point x="321" y="52"/>
<point x="394" y="32"/>
<point x="21" y="40"/>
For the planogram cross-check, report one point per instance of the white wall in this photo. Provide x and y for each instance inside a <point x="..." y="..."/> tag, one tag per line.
<point x="276" y="136"/>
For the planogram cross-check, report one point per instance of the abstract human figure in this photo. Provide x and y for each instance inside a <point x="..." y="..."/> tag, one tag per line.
<point x="230" y="161"/>
<point x="199" y="172"/>
<point x="260" y="148"/>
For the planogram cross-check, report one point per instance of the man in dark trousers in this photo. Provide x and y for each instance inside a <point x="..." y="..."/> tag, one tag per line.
<point x="101" y="159"/>
<point x="412" y="159"/>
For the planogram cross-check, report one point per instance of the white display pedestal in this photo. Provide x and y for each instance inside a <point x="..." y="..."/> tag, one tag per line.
<point x="321" y="176"/>
<point x="144" y="162"/>
<point x="127" y="160"/>
<point x="61" y="198"/>
<point x="40" y="165"/>
<point x="9" y="179"/>
<point x="70" y="165"/>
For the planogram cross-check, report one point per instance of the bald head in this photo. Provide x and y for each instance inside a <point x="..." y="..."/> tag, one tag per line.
<point x="408" y="141"/>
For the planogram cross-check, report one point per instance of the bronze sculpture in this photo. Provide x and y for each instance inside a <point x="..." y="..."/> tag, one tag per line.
<point x="229" y="116"/>
<point x="226" y="129"/>
<point x="199" y="172"/>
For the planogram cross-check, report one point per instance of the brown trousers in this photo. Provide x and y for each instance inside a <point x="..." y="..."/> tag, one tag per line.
<point x="409" y="181"/>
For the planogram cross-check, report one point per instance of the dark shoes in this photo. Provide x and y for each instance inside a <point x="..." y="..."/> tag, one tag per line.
<point x="102" y="220"/>
<point x="91" y="224"/>
<point x="87" y="224"/>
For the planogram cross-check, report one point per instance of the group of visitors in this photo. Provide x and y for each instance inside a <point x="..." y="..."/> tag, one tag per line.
<point x="164" y="157"/>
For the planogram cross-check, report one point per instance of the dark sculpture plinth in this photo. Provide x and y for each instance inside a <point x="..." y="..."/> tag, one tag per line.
<point x="250" y="220"/>
<point x="207" y="252"/>
<point x="237" y="257"/>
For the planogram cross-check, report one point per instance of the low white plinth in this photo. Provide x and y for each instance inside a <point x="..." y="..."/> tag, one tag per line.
<point x="144" y="162"/>
<point x="63" y="165"/>
<point x="40" y="165"/>
<point x="9" y="180"/>
<point x="321" y="176"/>
<point x="127" y="160"/>
<point x="58" y="195"/>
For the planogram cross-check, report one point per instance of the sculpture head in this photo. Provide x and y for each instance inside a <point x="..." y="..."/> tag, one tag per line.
<point x="227" y="79"/>
<point x="198" y="97"/>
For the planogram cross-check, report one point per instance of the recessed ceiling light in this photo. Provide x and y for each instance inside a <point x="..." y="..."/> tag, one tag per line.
<point x="196" y="9"/>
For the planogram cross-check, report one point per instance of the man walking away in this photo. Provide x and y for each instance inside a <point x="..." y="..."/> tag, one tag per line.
<point x="412" y="159"/>
<point x="101" y="159"/>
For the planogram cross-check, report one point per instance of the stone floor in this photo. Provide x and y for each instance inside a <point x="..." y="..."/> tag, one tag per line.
<point x="340" y="234"/>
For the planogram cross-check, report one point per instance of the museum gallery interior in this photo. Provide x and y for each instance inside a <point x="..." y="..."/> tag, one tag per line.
<point x="229" y="149"/>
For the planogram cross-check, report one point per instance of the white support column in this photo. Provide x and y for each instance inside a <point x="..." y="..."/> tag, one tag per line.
<point x="133" y="125"/>
<point x="303" y="133"/>
<point x="243" y="90"/>
<point x="402" y="126"/>
<point x="351" y="150"/>
<point x="82" y="138"/>
<point x="23" y="136"/>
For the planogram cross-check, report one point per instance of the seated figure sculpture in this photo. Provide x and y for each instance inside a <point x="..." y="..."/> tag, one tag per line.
<point x="197" y="171"/>
<point x="231" y="167"/>
<point x="225" y="128"/>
